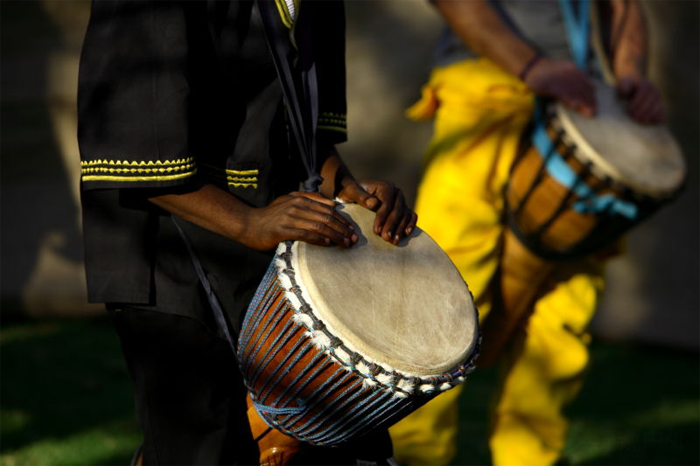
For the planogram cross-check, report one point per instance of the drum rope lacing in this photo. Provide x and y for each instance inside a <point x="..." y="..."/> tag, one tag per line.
<point x="375" y="373"/>
<point x="305" y="381"/>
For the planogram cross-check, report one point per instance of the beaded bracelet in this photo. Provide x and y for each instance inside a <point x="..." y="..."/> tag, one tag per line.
<point x="528" y="66"/>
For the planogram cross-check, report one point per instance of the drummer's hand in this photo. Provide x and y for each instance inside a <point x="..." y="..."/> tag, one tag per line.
<point x="307" y="217"/>
<point x="562" y="80"/>
<point x="394" y="219"/>
<point x="645" y="103"/>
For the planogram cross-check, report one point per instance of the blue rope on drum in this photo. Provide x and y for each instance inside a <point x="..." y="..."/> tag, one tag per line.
<point x="321" y="427"/>
<point x="556" y="166"/>
<point x="346" y="402"/>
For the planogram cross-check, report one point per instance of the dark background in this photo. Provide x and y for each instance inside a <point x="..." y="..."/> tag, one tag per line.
<point x="61" y="369"/>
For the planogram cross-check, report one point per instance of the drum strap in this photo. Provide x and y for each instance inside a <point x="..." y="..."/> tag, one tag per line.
<point x="299" y="84"/>
<point x="211" y="296"/>
<point x="577" y="30"/>
<point x="558" y="169"/>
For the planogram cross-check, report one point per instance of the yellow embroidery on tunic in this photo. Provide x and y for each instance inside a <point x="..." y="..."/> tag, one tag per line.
<point x="235" y="178"/>
<point x="88" y="163"/>
<point x="138" y="178"/>
<point x="133" y="170"/>
<point x="333" y="122"/>
<point x="243" y="185"/>
<point x="242" y="172"/>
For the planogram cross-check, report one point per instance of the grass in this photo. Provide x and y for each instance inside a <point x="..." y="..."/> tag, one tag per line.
<point x="66" y="400"/>
<point x="65" y="396"/>
<point x="640" y="405"/>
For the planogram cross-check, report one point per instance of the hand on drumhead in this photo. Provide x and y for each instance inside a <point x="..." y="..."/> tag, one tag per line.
<point x="394" y="219"/>
<point x="645" y="104"/>
<point x="307" y="217"/>
<point x="562" y="80"/>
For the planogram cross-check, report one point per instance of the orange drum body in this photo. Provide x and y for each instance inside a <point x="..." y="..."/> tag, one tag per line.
<point x="338" y="342"/>
<point x="575" y="188"/>
<point x="585" y="181"/>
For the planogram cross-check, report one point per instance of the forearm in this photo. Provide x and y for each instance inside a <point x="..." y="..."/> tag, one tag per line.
<point x="211" y="208"/>
<point x="335" y="174"/>
<point x="482" y="29"/>
<point x="629" y="38"/>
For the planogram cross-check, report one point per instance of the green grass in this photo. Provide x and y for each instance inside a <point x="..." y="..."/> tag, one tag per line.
<point x="66" y="399"/>
<point x="640" y="405"/>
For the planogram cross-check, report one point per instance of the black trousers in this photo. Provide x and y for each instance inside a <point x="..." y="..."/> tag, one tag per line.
<point x="189" y="395"/>
<point x="190" y="398"/>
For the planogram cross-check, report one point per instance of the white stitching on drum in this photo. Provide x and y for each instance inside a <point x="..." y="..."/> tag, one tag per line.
<point x="388" y="378"/>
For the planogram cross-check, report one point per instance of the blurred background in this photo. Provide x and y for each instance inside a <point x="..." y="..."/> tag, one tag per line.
<point x="65" y="393"/>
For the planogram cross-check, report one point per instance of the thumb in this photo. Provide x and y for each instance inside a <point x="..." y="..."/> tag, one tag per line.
<point x="354" y="192"/>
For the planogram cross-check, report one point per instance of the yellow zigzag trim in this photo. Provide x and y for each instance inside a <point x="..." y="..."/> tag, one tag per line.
<point x="88" y="163"/>
<point x="339" y="116"/>
<point x="243" y="185"/>
<point x="252" y="179"/>
<point x="138" y="178"/>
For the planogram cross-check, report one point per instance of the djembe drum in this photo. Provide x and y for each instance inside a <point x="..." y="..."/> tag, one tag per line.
<point x="337" y="342"/>
<point x="576" y="189"/>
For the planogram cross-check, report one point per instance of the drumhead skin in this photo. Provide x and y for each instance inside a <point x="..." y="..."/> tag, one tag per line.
<point x="404" y="306"/>
<point x="645" y="158"/>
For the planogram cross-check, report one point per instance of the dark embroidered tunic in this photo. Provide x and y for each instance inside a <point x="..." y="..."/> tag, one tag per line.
<point x="173" y="95"/>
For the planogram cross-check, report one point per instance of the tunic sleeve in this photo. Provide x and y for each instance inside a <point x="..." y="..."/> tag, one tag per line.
<point x="329" y="35"/>
<point x="139" y="65"/>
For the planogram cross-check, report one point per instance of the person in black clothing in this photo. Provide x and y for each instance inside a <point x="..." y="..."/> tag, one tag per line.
<point x="181" y="116"/>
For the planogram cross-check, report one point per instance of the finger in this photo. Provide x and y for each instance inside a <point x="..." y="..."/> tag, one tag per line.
<point x="587" y="99"/>
<point x="354" y="192"/>
<point x="297" y="234"/>
<point x="314" y="197"/>
<point x="331" y="219"/>
<point x="390" y="231"/>
<point x="401" y="228"/>
<point x="578" y="100"/>
<point x="411" y="223"/>
<point x="642" y="107"/>
<point x="320" y="228"/>
<point x="388" y="197"/>
<point x="310" y="203"/>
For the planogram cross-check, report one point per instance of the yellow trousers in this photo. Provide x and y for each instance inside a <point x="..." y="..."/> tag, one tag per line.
<point x="480" y="112"/>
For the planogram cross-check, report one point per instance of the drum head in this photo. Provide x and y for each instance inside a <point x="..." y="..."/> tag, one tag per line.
<point x="645" y="158"/>
<point x="405" y="306"/>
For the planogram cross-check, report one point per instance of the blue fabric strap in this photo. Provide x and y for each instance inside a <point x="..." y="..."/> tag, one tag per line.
<point x="589" y="202"/>
<point x="577" y="30"/>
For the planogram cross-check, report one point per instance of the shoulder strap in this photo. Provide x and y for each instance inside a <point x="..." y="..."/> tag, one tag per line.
<point x="300" y="88"/>
<point x="577" y="29"/>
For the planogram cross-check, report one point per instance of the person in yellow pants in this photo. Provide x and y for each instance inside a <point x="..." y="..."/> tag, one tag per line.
<point x="481" y="107"/>
<point x="460" y="204"/>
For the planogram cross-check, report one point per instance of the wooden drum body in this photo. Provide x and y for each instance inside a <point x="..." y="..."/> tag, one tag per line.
<point x="584" y="181"/>
<point x="338" y="342"/>
<point x="574" y="189"/>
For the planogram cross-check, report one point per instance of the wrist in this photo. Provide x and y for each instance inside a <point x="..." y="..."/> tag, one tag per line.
<point x="526" y="69"/>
